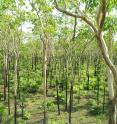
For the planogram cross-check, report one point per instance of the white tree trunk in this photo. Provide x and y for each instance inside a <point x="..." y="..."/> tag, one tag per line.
<point x="111" y="88"/>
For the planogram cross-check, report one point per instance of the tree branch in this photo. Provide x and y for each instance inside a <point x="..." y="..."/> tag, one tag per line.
<point x="75" y="16"/>
<point x="41" y="22"/>
<point x="103" y="13"/>
<point x="74" y="33"/>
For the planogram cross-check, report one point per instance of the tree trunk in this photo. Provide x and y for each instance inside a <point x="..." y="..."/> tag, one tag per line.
<point x="58" y="102"/>
<point x="110" y="83"/>
<point x="18" y="80"/>
<point x="15" y="90"/>
<point x="79" y="69"/>
<point x="22" y="110"/>
<point x="8" y="67"/>
<point x="70" y="101"/>
<point x="66" y="83"/>
<point x="51" y="70"/>
<point x="104" y="98"/>
<point x="112" y="108"/>
<point x="32" y="62"/>
<point x="45" y="80"/>
<point x="15" y="109"/>
<point x="5" y="74"/>
<point x="87" y="74"/>
<point x="35" y="62"/>
<point x="71" y="94"/>
<point x="98" y="89"/>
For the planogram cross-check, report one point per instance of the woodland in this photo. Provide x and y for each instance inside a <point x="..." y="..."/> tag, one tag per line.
<point x="58" y="61"/>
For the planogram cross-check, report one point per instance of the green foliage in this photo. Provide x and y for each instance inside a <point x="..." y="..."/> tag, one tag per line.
<point x="91" y="103"/>
<point x="76" y="88"/>
<point x="61" y="96"/>
<point x="5" y="4"/>
<point x="2" y="112"/>
<point x="91" y="4"/>
<point x="22" y="122"/>
<point x="31" y="87"/>
<point x="26" y="115"/>
<point x="51" y="106"/>
<point x="96" y="110"/>
<point x="2" y="108"/>
<point x="55" y="121"/>
<point x="93" y="108"/>
<point x="111" y="4"/>
<point x="110" y="24"/>
<point x="31" y="83"/>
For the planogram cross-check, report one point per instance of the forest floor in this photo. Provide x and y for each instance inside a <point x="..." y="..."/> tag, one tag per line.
<point x="80" y="112"/>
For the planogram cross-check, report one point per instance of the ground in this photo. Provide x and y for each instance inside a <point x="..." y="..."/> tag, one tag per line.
<point x="80" y="113"/>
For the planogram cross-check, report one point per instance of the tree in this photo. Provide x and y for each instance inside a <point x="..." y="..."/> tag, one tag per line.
<point x="98" y="32"/>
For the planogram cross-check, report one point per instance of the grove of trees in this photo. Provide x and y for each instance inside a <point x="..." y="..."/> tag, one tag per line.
<point x="58" y="61"/>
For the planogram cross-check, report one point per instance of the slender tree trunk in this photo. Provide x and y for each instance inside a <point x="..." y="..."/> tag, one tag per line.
<point x="79" y="94"/>
<point x="42" y="67"/>
<point x="71" y="95"/>
<point x="46" y="83"/>
<point x="9" y="111"/>
<point x="98" y="89"/>
<point x="58" y="102"/>
<point x="98" y="80"/>
<point x="70" y="102"/>
<point x="51" y="77"/>
<point x="35" y="62"/>
<point x="32" y="62"/>
<point x="18" y="80"/>
<point x="87" y="74"/>
<point x="45" y="80"/>
<point x="5" y="74"/>
<point x="66" y="83"/>
<point x="95" y="66"/>
<point x="6" y="69"/>
<point x="15" y="110"/>
<point x="62" y="84"/>
<point x="104" y="98"/>
<point x="15" y="90"/>
<point x="28" y="74"/>
<point x="22" y="110"/>
<point x="79" y="69"/>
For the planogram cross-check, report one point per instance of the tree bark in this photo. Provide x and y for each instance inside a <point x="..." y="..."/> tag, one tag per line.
<point x="104" y="98"/>
<point x="45" y="80"/>
<point x="5" y="74"/>
<point x="71" y="94"/>
<point x="87" y="74"/>
<point x="66" y="83"/>
<point x="110" y="83"/>
<point x="8" y="67"/>
<point x="58" y="102"/>
<point x="15" y="90"/>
